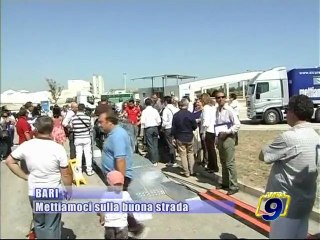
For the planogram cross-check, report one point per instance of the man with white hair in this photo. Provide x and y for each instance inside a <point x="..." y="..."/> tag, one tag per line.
<point x="183" y="125"/>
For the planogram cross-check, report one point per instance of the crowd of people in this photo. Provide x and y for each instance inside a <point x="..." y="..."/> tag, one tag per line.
<point x="195" y="131"/>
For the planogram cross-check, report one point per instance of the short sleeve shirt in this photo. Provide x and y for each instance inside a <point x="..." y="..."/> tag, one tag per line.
<point x="117" y="145"/>
<point x="22" y="127"/>
<point x="43" y="158"/>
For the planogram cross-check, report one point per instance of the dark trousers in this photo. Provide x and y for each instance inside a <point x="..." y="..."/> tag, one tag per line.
<point x="116" y="233"/>
<point x="46" y="225"/>
<point x="204" y="149"/>
<point x="72" y="146"/>
<point x="168" y="139"/>
<point x="151" y="135"/>
<point x="212" y="154"/>
<point x="5" y="147"/>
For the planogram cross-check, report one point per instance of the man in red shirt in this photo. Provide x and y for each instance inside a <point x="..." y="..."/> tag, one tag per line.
<point x="133" y="115"/>
<point x="23" y="127"/>
<point x="24" y="132"/>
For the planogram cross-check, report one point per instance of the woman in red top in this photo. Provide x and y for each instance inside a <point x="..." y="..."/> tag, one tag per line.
<point x="23" y="127"/>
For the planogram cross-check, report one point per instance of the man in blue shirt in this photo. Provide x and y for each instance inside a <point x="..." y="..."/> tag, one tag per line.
<point x="117" y="154"/>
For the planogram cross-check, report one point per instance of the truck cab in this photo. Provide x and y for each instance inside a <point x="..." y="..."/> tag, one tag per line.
<point x="268" y="95"/>
<point x="269" y="92"/>
<point x="87" y="99"/>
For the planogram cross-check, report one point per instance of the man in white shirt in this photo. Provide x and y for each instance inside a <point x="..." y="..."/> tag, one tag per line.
<point x="167" y="116"/>
<point x="226" y="144"/>
<point x="66" y="123"/>
<point x="208" y="120"/>
<point x="236" y="107"/>
<point x="81" y="127"/>
<point x="294" y="156"/>
<point x="47" y="163"/>
<point x="150" y="120"/>
<point x="190" y="104"/>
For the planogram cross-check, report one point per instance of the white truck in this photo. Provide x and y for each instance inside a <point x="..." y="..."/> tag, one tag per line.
<point x="86" y="98"/>
<point x="269" y="92"/>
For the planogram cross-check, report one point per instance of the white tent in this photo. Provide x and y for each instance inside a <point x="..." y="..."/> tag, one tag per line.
<point x="15" y="99"/>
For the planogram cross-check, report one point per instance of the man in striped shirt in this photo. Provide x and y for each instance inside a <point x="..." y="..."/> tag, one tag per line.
<point x="81" y="126"/>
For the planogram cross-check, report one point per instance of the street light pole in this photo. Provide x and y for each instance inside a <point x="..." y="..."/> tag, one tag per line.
<point x="125" y="81"/>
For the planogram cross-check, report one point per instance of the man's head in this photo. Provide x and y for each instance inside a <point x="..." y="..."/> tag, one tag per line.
<point x="43" y="125"/>
<point x="74" y="107"/>
<point x="183" y="104"/>
<point x="187" y="97"/>
<point x="81" y="107"/>
<point x="167" y="100"/>
<point x="300" y="108"/>
<point x="220" y="99"/>
<point x="108" y="120"/>
<point x="104" y="100"/>
<point x="23" y="112"/>
<point x="214" y="93"/>
<point x="233" y="96"/>
<point x="131" y="103"/>
<point x="154" y="98"/>
<point x="148" y="102"/>
<point x="29" y="106"/>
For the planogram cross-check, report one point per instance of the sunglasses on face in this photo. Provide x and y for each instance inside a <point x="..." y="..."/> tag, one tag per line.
<point x="221" y="97"/>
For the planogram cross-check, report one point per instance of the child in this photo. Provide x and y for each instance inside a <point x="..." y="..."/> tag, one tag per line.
<point x="115" y="223"/>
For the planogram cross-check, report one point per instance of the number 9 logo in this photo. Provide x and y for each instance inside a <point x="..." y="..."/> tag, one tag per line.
<point x="270" y="208"/>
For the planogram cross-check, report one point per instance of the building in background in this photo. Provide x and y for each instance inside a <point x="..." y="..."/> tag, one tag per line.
<point x="97" y="87"/>
<point x="79" y="85"/>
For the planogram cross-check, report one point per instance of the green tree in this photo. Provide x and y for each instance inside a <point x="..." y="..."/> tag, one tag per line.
<point x="55" y="89"/>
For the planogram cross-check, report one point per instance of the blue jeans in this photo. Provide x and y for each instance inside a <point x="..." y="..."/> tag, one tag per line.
<point x="151" y="135"/>
<point x="46" y="225"/>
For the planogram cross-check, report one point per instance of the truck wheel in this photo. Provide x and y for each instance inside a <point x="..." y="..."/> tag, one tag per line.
<point x="271" y="117"/>
<point x="317" y="115"/>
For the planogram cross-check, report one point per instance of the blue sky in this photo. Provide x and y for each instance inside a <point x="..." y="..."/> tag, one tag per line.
<point x="72" y="39"/>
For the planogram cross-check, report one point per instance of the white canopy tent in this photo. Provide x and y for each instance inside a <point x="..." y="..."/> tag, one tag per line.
<point x="15" y="99"/>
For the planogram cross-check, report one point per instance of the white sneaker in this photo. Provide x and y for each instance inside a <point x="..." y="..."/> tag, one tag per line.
<point x="155" y="164"/>
<point x="90" y="173"/>
<point x="175" y="165"/>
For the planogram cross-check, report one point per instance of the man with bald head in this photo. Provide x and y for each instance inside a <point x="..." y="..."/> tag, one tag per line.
<point x="67" y="125"/>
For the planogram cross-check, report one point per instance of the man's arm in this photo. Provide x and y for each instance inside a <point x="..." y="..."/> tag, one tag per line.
<point x="279" y="150"/>
<point x="67" y="119"/>
<point x="120" y="152"/>
<point x="193" y="122"/>
<point x="235" y="120"/>
<point x="26" y="130"/>
<point x="143" y="119"/>
<point x="15" y="168"/>
<point x="121" y="165"/>
<point x="13" y="159"/>
<point x="158" y="118"/>
<point x="165" y="118"/>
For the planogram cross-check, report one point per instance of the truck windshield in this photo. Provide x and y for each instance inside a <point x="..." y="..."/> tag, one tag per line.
<point x="90" y="100"/>
<point x="251" y="89"/>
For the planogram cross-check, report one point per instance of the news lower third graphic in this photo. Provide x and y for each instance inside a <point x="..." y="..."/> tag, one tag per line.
<point x="276" y="205"/>
<point x="100" y="200"/>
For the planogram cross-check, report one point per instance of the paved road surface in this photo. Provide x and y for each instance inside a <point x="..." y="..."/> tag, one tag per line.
<point x="16" y="218"/>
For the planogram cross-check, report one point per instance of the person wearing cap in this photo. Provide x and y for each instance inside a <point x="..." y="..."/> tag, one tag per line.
<point x="117" y="154"/>
<point x="115" y="223"/>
